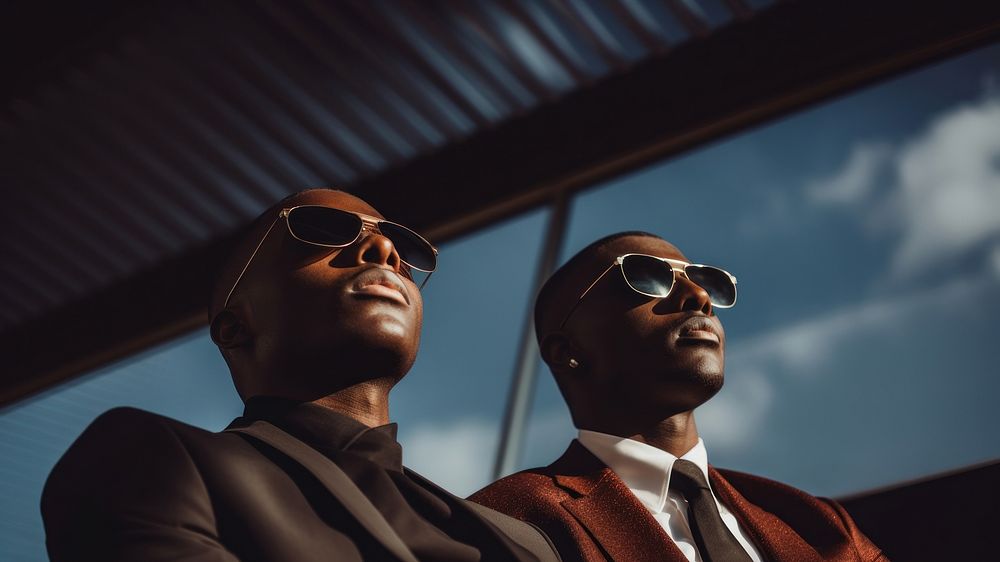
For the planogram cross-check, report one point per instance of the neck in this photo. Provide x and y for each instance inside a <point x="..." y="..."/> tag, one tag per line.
<point x="676" y="435"/>
<point x="367" y="402"/>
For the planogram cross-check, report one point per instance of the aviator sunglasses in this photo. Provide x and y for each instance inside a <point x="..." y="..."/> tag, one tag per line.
<point x="336" y="228"/>
<point x="654" y="276"/>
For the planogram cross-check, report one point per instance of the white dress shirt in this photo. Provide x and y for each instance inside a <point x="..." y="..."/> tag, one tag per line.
<point x="646" y="471"/>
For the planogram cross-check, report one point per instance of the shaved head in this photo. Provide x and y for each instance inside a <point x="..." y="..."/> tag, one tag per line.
<point x="622" y="359"/>
<point x="307" y="320"/>
<point x="558" y="295"/>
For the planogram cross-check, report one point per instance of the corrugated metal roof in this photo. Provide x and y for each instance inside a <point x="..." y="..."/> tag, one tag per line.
<point x="197" y="118"/>
<point x="135" y="138"/>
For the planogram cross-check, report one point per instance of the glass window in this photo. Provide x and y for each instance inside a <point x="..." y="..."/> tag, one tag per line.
<point x="185" y="379"/>
<point x="865" y="234"/>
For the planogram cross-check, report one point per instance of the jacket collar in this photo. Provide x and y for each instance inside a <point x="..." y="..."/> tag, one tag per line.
<point x="603" y="504"/>
<point x="333" y="479"/>
<point x="353" y="499"/>
<point x="327" y="431"/>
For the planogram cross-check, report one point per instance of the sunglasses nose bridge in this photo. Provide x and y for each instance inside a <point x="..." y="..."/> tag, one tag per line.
<point x="690" y="295"/>
<point x="370" y="226"/>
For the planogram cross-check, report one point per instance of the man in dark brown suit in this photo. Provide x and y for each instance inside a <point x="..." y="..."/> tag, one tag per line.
<point x="629" y="330"/>
<point x="318" y="317"/>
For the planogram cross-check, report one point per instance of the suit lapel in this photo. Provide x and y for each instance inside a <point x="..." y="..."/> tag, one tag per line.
<point x="335" y="481"/>
<point x="623" y="527"/>
<point x="776" y="540"/>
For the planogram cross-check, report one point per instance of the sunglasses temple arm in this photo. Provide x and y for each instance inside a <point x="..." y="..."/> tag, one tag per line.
<point x="250" y="260"/>
<point x="426" y="279"/>
<point x="584" y="293"/>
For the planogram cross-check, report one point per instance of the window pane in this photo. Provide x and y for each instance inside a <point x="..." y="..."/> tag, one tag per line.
<point x="865" y="234"/>
<point x="185" y="379"/>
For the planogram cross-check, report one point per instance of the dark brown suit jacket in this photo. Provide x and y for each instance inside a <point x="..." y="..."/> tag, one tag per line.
<point x="592" y="516"/>
<point x="138" y="486"/>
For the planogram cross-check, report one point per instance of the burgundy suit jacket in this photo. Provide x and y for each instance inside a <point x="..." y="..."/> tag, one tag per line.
<point x="590" y="515"/>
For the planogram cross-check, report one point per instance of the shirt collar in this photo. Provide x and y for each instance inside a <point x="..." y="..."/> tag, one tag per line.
<point x="643" y="468"/>
<point x="328" y="431"/>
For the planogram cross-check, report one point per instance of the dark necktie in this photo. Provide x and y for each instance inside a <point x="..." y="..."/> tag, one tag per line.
<point x="715" y="542"/>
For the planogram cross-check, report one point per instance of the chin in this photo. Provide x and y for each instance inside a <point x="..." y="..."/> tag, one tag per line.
<point x="711" y="384"/>
<point x="688" y="388"/>
<point x="352" y="357"/>
<point x="707" y="368"/>
<point x="376" y="361"/>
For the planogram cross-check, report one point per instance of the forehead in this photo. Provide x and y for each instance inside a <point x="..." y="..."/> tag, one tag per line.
<point x="588" y="267"/>
<point x="332" y="198"/>
<point x="639" y="245"/>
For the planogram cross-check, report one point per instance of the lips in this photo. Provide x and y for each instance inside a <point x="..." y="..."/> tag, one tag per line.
<point x="378" y="282"/>
<point x="698" y="329"/>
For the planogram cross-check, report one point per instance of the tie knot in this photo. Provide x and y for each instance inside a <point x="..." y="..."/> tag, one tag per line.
<point x="686" y="477"/>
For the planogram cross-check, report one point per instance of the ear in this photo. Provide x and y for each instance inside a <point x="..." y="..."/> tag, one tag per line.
<point x="560" y="354"/>
<point x="229" y="331"/>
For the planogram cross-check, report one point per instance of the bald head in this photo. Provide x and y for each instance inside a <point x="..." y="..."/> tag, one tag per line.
<point x="560" y="292"/>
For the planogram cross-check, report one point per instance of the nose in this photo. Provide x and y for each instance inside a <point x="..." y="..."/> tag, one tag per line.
<point x="690" y="296"/>
<point x="374" y="248"/>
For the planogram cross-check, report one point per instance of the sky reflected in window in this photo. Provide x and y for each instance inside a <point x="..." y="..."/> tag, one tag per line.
<point x="865" y="234"/>
<point x="866" y="237"/>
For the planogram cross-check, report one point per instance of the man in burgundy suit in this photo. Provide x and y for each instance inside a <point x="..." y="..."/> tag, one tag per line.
<point x="629" y="330"/>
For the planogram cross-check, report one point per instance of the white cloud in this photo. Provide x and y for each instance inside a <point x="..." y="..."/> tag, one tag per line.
<point x="949" y="186"/>
<point x="457" y="455"/>
<point x="856" y="180"/>
<point x="801" y="348"/>
<point x="995" y="260"/>
<point x="945" y="187"/>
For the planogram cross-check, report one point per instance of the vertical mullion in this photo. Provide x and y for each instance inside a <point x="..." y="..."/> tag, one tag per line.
<point x="523" y="384"/>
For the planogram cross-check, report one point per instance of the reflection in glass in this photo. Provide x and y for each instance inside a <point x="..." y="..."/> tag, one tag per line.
<point x="866" y="237"/>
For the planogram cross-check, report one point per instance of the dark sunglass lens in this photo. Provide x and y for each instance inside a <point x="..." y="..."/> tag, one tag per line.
<point x="648" y="275"/>
<point x="411" y="248"/>
<point x="324" y="225"/>
<point x="720" y="288"/>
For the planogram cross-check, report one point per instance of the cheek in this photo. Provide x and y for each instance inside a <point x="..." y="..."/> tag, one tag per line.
<point x="642" y="326"/>
<point x="419" y="318"/>
<point x="298" y="300"/>
<point x="386" y="326"/>
<point x="615" y="344"/>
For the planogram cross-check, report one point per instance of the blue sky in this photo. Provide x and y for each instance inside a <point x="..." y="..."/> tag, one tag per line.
<point x="866" y="236"/>
<point x="865" y="233"/>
